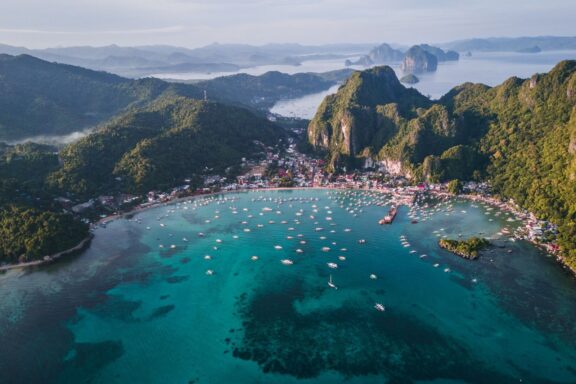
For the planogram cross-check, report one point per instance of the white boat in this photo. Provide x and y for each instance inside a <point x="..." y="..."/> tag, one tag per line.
<point x="207" y="257"/>
<point x="380" y="307"/>
<point x="331" y="284"/>
<point x="332" y="265"/>
<point x="287" y="262"/>
<point x="172" y="246"/>
<point x="254" y="258"/>
<point x="278" y="247"/>
<point x="325" y="249"/>
<point x="299" y="251"/>
<point x="342" y="258"/>
<point x="373" y="277"/>
<point x="209" y="272"/>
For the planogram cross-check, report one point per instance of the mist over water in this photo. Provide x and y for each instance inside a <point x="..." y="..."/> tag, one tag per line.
<point x="55" y="140"/>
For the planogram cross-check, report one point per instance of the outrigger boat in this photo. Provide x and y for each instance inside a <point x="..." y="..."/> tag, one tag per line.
<point x="331" y="284"/>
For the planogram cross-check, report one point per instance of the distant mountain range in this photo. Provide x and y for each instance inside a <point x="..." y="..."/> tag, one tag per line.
<point x="146" y="60"/>
<point x="419" y="58"/>
<point x="544" y="43"/>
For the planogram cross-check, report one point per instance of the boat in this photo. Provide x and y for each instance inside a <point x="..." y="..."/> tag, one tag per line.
<point x="286" y="261"/>
<point x="361" y="241"/>
<point x="379" y="307"/>
<point x="209" y="272"/>
<point x="325" y="249"/>
<point x="278" y="247"/>
<point x="373" y="277"/>
<point x="331" y="284"/>
<point x="254" y="258"/>
<point x="299" y="251"/>
<point x="332" y="265"/>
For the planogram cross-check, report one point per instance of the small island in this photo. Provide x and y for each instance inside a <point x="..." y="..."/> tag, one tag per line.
<point x="410" y="79"/>
<point x="467" y="249"/>
<point x="532" y="49"/>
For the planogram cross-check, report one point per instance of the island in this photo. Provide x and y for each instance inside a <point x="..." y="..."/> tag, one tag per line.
<point x="532" y="49"/>
<point x="410" y="79"/>
<point x="418" y="60"/>
<point x="467" y="249"/>
<point x="381" y="54"/>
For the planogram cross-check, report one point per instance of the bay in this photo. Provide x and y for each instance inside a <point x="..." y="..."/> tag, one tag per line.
<point x="129" y="310"/>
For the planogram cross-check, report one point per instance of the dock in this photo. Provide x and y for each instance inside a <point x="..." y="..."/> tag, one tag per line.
<point x="389" y="218"/>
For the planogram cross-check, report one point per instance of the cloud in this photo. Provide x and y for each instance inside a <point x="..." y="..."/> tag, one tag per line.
<point x="198" y="22"/>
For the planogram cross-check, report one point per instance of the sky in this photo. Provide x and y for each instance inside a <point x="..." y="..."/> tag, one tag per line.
<point x="194" y="23"/>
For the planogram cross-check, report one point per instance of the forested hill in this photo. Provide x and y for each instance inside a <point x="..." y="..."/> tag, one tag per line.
<point x="160" y="145"/>
<point x="520" y="135"/>
<point x="265" y="90"/>
<point x="42" y="98"/>
<point x="39" y="98"/>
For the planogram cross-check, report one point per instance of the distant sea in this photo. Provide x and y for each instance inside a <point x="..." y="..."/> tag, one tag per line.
<point x="487" y="68"/>
<point x="138" y="306"/>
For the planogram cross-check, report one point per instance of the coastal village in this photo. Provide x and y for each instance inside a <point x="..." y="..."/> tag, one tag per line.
<point x="287" y="168"/>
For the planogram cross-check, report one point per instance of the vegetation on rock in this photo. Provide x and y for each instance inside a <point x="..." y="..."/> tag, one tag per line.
<point x="467" y="249"/>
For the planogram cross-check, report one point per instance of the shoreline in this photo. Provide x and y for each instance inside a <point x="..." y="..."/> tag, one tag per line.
<point x="560" y="259"/>
<point x="105" y="220"/>
<point x="52" y="258"/>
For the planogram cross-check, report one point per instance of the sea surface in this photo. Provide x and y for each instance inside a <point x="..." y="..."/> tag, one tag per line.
<point x="488" y="68"/>
<point x="139" y="307"/>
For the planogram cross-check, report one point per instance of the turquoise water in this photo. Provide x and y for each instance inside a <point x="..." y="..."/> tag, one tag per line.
<point x="129" y="311"/>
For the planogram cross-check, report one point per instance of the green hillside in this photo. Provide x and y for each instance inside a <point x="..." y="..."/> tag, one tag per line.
<point x="520" y="135"/>
<point x="162" y="144"/>
<point x="39" y="98"/>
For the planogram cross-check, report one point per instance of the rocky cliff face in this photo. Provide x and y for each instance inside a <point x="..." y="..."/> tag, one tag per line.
<point x="381" y="54"/>
<point x="363" y="114"/>
<point x="418" y="60"/>
<point x="440" y="54"/>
